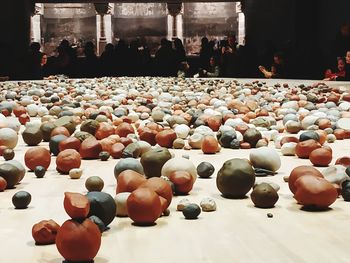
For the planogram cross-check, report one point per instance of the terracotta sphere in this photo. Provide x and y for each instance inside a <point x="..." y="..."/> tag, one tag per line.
<point x="209" y="145"/>
<point x="90" y="148"/>
<point x="166" y="138"/>
<point x="78" y="241"/>
<point x="304" y="149"/>
<point x="124" y="129"/>
<point x="129" y="181"/>
<point x="37" y="156"/>
<point x="183" y="182"/>
<point x="315" y="192"/>
<point x="69" y="143"/>
<point x="162" y="188"/>
<point x="67" y="160"/>
<point x="44" y="232"/>
<point x="76" y="205"/>
<point x="321" y="157"/>
<point x="301" y="171"/>
<point x="339" y="134"/>
<point x="144" y="206"/>
<point x="117" y="150"/>
<point x="60" y="131"/>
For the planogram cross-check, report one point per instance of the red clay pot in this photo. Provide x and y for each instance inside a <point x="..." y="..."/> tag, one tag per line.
<point x="166" y="138"/>
<point x="304" y="149"/>
<point x="67" y="160"/>
<point x="209" y="145"/>
<point x="144" y="206"/>
<point x="76" y="205"/>
<point x="37" y="156"/>
<point x="162" y="188"/>
<point x="301" y="171"/>
<point x="44" y="232"/>
<point x="321" y="157"/>
<point x="315" y="192"/>
<point x="78" y="241"/>
<point x="69" y="143"/>
<point x="183" y="182"/>
<point x="90" y="148"/>
<point x="129" y="181"/>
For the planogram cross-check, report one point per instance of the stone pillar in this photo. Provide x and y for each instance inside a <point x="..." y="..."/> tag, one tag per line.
<point x="35" y="30"/>
<point x="102" y="9"/>
<point x="241" y="23"/>
<point x="174" y="10"/>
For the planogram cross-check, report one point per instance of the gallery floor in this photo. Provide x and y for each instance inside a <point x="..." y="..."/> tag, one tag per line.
<point x="236" y="232"/>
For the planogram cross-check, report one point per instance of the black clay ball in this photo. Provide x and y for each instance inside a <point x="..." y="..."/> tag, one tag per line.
<point x="347" y="171"/>
<point x="98" y="222"/>
<point x="205" y="169"/>
<point x="104" y="156"/>
<point x="191" y="211"/>
<point x="345" y="191"/>
<point x="8" y="154"/>
<point x="21" y="199"/>
<point x="103" y="206"/>
<point x="39" y="171"/>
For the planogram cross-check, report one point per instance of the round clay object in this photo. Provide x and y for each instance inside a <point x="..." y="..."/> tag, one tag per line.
<point x="132" y="150"/>
<point x="166" y="138"/>
<point x="309" y="135"/>
<point x="128" y="164"/>
<point x="46" y="129"/>
<point x="129" y="181"/>
<point x="179" y="164"/>
<point x="264" y="196"/>
<point x="8" y="138"/>
<point x="339" y="134"/>
<point x="162" y="188"/>
<point x="265" y="158"/>
<point x="104" y="130"/>
<point x="78" y="242"/>
<point x="8" y="154"/>
<point x="37" y="156"/>
<point x="20" y="167"/>
<point x="67" y="160"/>
<point x="183" y="182"/>
<point x="66" y="122"/>
<point x="120" y="201"/>
<point x="191" y="211"/>
<point x="304" y="149"/>
<point x="90" y="148"/>
<point x="75" y="173"/>
<point x="10" y="173"/>
<point x="94" y="183"/>
<point x="288" y="139"/>
<point x="124" y="129"/>
<point x="235" y="178"/>
<point x="44" y="232"/>
<point x="144" y="206"/>
<point x="344" y="161"/>
<point x="345" y="190"/>
<point x="21" y="199"/>
<point x="209" y="145"/>
<point x="32" y="136"/>
<point x="69" y="143"/>
<point x="301" y="171"/>
<point x="225" y="138"/>
<point x="154" y="160"/>
<point x="99" y="223"/>
<point x="102" y="205"/>
<point x="89" y="126"/>
<point x="54" y="143"/>
<point x="39" y="171"/>
<point x="315" y="192"/>
<point x="76" y="205"/>
<point x="104" y="156"/>
<point x="3" y="184"/>
<point x="252" y="136"/>
<point x="321" y="157"/>
<point x="205" y="170"/>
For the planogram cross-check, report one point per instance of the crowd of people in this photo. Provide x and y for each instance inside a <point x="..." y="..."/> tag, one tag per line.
<point x="223" y="58"/>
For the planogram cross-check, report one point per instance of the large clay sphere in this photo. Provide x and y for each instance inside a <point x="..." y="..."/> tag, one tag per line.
<point x="37" y="156"/>
<point x="46" y="129"/>
<point x="235" y="178"/>
<point x="128" y="164"/>
<point x="67" y="160"/>
<point x="78" y="242"/>
<point x="102" y="205"/>
<point x="252" y="136"/>
<point x="90" y="148"/>
<point x="315" y="192"/>
<point x="8" y="138"/>
<point x="209" y="145"/>
<point x="321" y="157"/>
<point x="183" y="182"/>
<point x="301" y="171"/>
<point x="32" y="136"/>
<point x="266" y="158"/>
<point x="264" y="196"/>
<point x="19" y="166"/>
<point x="129" y="180"/>
<point x="304" y="149"/>
<point x="179" y="164"/>
<point x="153" y="161"/>
<point x="144" y="206"/>
<point x="10" y="173"/>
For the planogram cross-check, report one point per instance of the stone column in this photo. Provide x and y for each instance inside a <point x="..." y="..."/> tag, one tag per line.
<point x="35" y="30"/>
<point x="102" y="9"/>
<point x="174" y="10"/>
<point x="241" y="23"/>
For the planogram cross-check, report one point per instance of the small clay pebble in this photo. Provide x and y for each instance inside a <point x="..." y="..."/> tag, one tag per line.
<point x="269" y="215"/>
<point x="191" y="211"/>
<point x="259" y="172"/>
<point x="75" y="173"/>
<point x="21" y="199"/>
<point x="208" y="204"/>
<point x="181" y="205"/>
<point x="101" y="226"/>
<point x="8" y="154"/>
<point x="264" y="196"/>
<point x="94" y="184"/>
<point x="104" y="156"/>
<point x="166" y="212"/>
<point x="3" y="184"/>
<point x="39" y="171"/>
<point x="205" y="170"/>
<point x="286" y="178"/>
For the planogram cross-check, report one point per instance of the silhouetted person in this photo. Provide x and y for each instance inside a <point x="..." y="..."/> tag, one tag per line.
<point x="34" y="62"/>
<point x="107" y="61"/>
<point x="91" y="64"/>
<point x="121" y="52"/>
<point x="229" y="58"/>
<point x="205" y="53"/>
<point x="342" y="40"/>
<point x="277" y="68"/>
<point x="179" y="51"/>
<point x="213" y="71"/>
<point x="164" y="59"/>
<point x="347" y="68"/>
<point x="184" y="70"/>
